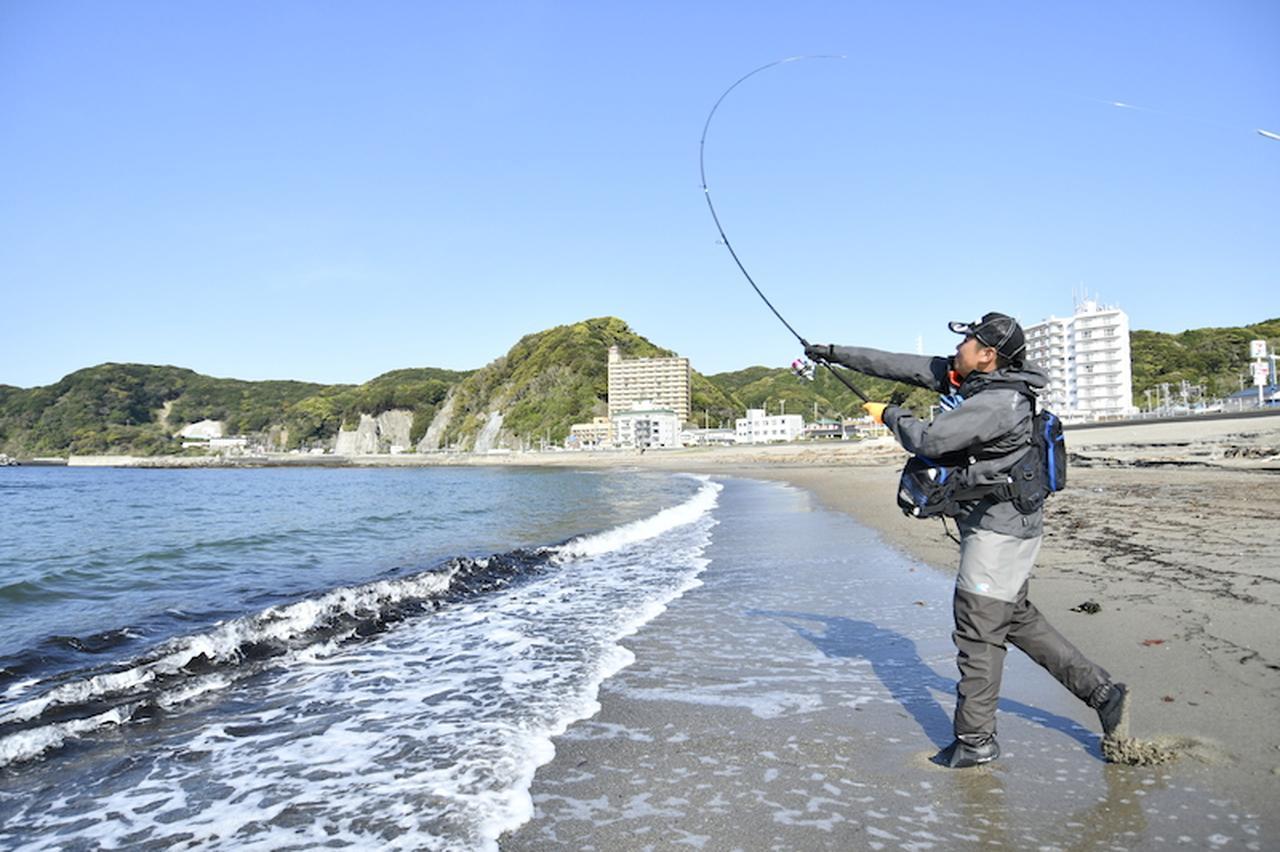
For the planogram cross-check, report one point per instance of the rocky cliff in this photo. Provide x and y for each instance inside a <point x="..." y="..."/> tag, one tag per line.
<point x="386" y="433"/>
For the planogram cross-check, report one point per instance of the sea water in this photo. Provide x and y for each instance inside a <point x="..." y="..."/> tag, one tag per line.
<point x="295" y="658"/>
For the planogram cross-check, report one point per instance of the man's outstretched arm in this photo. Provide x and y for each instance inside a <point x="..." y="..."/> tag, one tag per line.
<point x="920" y="370"/>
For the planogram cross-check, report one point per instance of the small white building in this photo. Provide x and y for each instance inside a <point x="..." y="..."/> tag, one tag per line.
<point x="708" y="437"/>
<point x="228" y="444"/>
<point x="645" y="428"/>
<point x="824" y="428"/>
<point x="864" y="428"/>
<point x="590" y="436"/>
<point x="761" y="428"/>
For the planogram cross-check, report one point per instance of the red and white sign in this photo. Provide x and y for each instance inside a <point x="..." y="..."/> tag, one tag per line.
<point x="1257" y="348"/>
<point x="1261" y="369"/>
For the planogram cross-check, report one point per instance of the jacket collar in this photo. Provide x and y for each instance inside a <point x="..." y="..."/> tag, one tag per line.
<point x="976" y="381"/>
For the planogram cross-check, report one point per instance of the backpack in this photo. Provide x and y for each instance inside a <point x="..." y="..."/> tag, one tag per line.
<point x="1042" y="470"/>
<point x="931" y="487"/>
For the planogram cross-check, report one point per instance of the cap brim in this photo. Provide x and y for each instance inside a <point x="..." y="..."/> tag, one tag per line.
<point x="961" y="327"/>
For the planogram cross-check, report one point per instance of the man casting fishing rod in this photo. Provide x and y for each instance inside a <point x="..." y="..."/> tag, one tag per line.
<point x="986" y="421"/>
<point x="988" y="415"/>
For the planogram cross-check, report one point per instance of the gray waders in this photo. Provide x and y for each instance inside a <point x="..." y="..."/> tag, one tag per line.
<point x="991" y="608"/>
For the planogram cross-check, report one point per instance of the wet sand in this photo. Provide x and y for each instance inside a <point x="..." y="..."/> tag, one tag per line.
<point x="793" y="701"/>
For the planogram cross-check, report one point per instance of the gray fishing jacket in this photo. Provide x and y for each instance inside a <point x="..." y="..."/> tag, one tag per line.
<point x="992" y="426"/>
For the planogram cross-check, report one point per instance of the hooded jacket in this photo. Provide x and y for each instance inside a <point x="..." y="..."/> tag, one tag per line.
<point x="992" y="426"/>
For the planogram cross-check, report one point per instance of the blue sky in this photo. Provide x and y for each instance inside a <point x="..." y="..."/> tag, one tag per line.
<point x="327" y="191"/>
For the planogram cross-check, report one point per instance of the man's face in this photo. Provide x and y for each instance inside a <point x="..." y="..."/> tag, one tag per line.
<point x="972" y="355"/>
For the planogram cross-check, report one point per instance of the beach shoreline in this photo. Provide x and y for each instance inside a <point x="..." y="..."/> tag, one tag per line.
<point x="1169" y="528"/>
<point x="1170" y="523"/>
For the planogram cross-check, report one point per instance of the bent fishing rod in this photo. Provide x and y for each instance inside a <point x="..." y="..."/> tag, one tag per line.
<point x="724" y="239"/>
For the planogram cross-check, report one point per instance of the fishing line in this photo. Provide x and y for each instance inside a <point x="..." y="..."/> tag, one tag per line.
<point x="1178" y="116"/>
<point x="724" y="239"/>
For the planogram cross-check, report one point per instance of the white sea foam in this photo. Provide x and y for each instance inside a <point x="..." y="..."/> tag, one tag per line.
<point x="646" y="528"/>
<point x="16" y="689"/>
<point x="225" y="642"/>
<point x="425" y="737"/>
<point x="25" y="745"/>
<point x="764" y="704"/>
<point x="79" y="692"/>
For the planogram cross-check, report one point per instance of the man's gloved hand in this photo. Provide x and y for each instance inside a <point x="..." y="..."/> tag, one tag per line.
<point x="819" y="351"/>
<point x="876" y="410"/>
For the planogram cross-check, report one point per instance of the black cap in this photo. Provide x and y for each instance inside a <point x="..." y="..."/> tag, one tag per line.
<point x="1002" y="333"/>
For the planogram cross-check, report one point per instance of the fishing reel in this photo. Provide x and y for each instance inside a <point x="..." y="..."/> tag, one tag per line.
<point x="802" y="369"/>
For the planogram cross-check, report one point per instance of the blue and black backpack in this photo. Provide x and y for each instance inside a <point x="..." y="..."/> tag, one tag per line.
<point x="929" y="487"/>
<point x="1043" y="468"/>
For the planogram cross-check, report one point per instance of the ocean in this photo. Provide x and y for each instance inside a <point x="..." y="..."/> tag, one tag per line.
<point x="295" y="658"/>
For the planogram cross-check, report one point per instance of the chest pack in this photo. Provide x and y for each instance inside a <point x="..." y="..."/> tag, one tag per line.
<point x="932" y="487"/>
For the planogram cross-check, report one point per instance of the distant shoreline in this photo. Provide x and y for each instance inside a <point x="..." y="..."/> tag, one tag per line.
<point x="1251" y="442"/>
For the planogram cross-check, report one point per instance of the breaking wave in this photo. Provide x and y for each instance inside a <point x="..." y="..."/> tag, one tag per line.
<point x="39" y="715"/>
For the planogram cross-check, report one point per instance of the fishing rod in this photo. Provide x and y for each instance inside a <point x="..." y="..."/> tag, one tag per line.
<point x="724" y="238"/>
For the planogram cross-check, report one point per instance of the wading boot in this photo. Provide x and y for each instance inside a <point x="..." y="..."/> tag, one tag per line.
<point x="1112" y="704"/>
<point x="970" y="751"/>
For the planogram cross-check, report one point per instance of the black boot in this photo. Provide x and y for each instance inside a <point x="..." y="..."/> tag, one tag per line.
<point x="1113" y="710"/>
<point x="973" y="750"/>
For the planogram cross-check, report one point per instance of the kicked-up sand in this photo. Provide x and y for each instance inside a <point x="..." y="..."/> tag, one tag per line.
<point x="793" y="700"/>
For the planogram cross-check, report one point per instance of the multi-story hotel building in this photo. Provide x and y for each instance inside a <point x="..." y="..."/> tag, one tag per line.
<point x="657" y="382"/>
<point x="1088" y="361"/>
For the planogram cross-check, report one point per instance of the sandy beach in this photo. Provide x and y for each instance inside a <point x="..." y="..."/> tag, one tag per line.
<point x="728" y="732"/>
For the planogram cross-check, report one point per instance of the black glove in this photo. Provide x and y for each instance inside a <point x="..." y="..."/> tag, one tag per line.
<point x="820" y="351"/>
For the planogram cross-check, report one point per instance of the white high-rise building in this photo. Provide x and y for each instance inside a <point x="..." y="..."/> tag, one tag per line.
<point x="1088" y="361"/>
<point x="657" y="382"/>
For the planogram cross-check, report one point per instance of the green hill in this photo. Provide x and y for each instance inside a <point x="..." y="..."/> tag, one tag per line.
<point x="108" y="408"/>
<point x="138" y="408"/>
<point x="555" y="378"/>
<point x="1217" y="358"/>
<point x="551" y="380"/>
